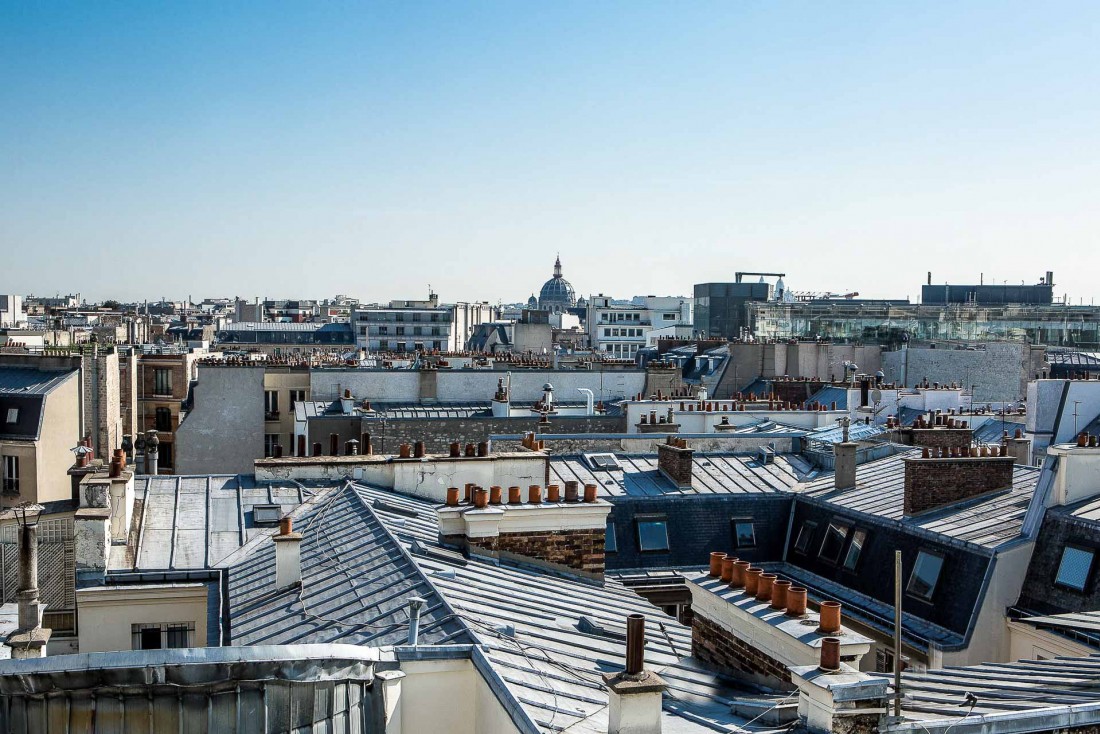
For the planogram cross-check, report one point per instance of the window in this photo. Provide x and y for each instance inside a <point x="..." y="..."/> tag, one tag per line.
<point x="383" y="330"/>
<point x="418" y="331"/>
<point x="1073" y="570"/>
<point x="383" y="344"/>
<point x="162" y="636"/>
<point x="164" y="455"/>
<point x="610" y="543"/>
<point x="437" y="345"/>
<point x="297" y="396"/>
<point x="11" y="475"/>
<point x="744" y="534"/>
<point x="164" y="419"/>
<point x="851" y="559"/>
<point x="652" y="534"/>
<point x="13" y="415"/>
<point x="435" y="331"/>
<point x="162" y="382"/>
<point x="271" y="404"/>
<point x="400" y="331"/>
<point x="835" y="536"/>
<point x="805" y="536"/>
<point x="271" y="440"/>
<point x="668" y="316"/>
<point x="926" y="572"/>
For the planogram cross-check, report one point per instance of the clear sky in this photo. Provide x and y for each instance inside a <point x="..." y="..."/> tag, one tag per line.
<point x="369" y="149"/>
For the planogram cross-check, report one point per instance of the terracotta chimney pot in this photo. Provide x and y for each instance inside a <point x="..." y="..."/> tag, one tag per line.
<point x="534" y="494"/>
<point x="727" y="568"/>
<point x="494" y="495"/>
<point x="513" y="496"/>
<point x="716" y="558"/>
<point x="553" y="493"/>
<point x="452" y="496"/>
<point x="796" y="601"/>
<point x="830" y="618"/>
<point x="752" y="580"/>
<point x="764" y="587"/>
<point x="738" y="580"/>
<point x="779" y="593"/>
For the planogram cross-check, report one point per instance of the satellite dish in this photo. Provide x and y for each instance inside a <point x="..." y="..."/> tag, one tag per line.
<point x="876" y="396"/>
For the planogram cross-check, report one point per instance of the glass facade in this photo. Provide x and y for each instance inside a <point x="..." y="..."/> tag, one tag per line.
<point x="1054" y="325"/>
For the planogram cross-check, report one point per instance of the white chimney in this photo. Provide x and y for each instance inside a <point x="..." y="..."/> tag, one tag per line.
<point x="634" y="694"/>
<point x="288" y="555"/>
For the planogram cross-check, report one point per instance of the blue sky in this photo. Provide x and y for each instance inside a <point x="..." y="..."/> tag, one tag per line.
<point x="309" y="149"/>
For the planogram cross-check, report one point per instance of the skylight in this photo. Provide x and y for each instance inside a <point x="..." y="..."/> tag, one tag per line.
<point x="653" y="534"/>
<point x="1073" y="570"/>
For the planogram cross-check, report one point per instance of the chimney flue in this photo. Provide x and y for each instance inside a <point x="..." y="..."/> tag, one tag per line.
<point x="288" y="555"/>
<point x="635" y="644"/>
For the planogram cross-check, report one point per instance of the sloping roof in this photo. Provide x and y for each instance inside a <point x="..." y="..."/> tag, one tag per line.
<point x="1084" y="627"/>
<point x="992" y="429"/>
<point x="711" y="474"/>
<point x="29" y="381"/>
<point x="356" y="584"/>
<point x="989" y="521"/>
<point x="549" y="664"/>
<point x="27" y="410"/>
<point x="831" y="394"/>
<point x="191" y="522"/>
<point x="1021" y="686"/>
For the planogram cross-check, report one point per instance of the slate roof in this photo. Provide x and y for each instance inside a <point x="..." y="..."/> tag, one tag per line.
<point x="24" y="390"/>
<point x="831" y="394"/>
<point x="29" y="381"/>
<point x="356" y="583"/>
<point x="711" y="474"/>
<point x="989" y="521"/>
<point x="192" y="522"/>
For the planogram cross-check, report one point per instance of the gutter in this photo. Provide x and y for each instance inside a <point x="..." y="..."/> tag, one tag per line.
<point x="1073" y="716"/>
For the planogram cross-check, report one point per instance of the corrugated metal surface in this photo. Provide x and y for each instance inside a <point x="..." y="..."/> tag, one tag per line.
<point x="243" y="691"/>
<point x="989" y="521"/>
<point x="711" y="474"/>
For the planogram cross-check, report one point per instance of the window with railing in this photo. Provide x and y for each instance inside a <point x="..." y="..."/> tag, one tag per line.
<point x="162" y="636"/>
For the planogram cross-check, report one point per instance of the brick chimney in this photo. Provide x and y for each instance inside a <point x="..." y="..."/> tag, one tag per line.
<point x="674" y="460"/>
<point x="565" y="536"/>
<point x="936" y="481"/>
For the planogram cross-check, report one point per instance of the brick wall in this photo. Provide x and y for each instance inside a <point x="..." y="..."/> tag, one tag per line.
<point x="931" y="483"/>
<point x="713" y="644"/>
<point x="581" y="550"/>
<point x="796" y="391"/>
<point x="675" y="463"/>
<point x="942" y="437"/>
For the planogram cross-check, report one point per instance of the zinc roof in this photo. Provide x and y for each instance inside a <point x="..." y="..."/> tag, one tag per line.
<point x="990" y="520"/>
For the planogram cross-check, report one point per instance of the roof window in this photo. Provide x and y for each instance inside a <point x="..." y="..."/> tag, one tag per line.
<point x="1074" y="568"/>
<point x="653" y="533"/>
<point x="926" y="573"/>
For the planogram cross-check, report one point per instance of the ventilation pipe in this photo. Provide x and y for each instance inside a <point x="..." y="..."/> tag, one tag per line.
<point x="589" y="401"/>
<point x="416" y="603"/>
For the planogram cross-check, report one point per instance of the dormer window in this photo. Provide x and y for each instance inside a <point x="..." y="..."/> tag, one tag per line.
<point x="13" y="415"/>
<point x="1074" y="568"/>
<point x="652" y="533"/>
<point x="834" y="541"/>
<point x="805" y="536"/>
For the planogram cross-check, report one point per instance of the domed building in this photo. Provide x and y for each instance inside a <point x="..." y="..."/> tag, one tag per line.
<point x="557" y="293"/>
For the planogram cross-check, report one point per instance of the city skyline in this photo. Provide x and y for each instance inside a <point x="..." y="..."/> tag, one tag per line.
<point x="305" y="151"/>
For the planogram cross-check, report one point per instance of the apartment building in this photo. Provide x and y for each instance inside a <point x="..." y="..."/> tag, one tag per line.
<point x="620" y="330"/>
<point x="412" y="326"/>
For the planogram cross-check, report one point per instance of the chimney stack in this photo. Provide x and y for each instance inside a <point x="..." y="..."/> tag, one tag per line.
<point x="29" y="640"/>
<point x="634" y="694"/>
<point x="844" y="461"/>
<point x="288" y="555"/>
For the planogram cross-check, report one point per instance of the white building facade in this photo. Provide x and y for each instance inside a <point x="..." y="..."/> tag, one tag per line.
<point x="620" y="330"/>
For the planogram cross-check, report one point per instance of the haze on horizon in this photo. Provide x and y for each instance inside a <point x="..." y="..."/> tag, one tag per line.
<point x="308" y="149"/>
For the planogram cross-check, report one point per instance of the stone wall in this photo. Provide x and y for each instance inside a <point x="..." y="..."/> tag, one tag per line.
<point x="931" y="483"/>
<point x="999" y="371"/>
<point x="102" y="402"/>
<point x="713" y="644"/>
<point x="581" y="550"/>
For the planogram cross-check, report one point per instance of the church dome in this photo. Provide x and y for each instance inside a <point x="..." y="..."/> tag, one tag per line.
<point x="532" y="302"/>
<point x="557" y="293"/>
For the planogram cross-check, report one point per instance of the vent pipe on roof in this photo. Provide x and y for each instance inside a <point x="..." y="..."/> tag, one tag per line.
<point x="634" y="694"/>
<point x="416" y="603"/>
